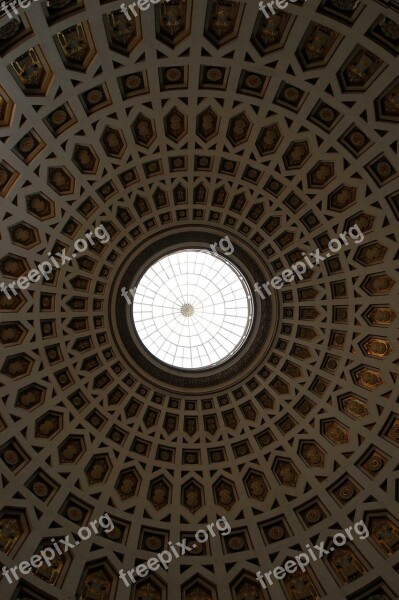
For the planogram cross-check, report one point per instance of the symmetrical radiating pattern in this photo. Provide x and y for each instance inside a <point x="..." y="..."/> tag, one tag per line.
<point x="192" y="309"/>
<point x="200" y="117"/>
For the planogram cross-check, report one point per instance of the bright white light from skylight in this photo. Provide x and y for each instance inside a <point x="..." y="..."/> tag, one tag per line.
<point x="192" y="309"/>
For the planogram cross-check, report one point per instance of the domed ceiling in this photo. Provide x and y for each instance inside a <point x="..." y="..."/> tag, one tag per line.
<point x="194" y="121"/>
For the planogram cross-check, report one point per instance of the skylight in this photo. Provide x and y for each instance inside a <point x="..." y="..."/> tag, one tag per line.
<point x="193" y="309"/>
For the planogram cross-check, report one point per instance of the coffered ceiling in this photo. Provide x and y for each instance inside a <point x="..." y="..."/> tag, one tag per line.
<point x="196" y="120"/>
